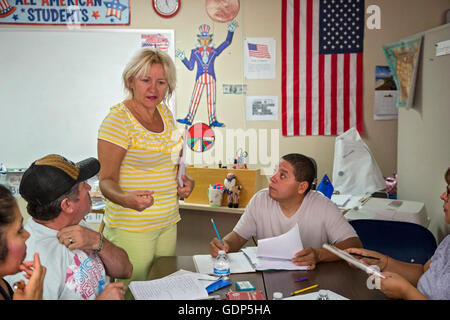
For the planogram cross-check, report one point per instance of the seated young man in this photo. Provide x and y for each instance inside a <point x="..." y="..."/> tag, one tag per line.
<point x="77" y="258"/>
<point x="289" y="200"/>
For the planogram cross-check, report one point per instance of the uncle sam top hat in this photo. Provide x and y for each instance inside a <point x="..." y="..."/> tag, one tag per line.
<point x="204" y="31"/>
<point x="5" y="8"/>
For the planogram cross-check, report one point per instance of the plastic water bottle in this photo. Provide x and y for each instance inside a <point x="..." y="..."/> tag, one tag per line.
<point x="222" y="264"/>
<point x="3" y="177"/>
<point x="277" y="296"/>
<point x="323" y="295"/>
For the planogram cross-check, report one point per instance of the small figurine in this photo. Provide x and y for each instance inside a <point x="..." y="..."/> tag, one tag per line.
<point x="232" y="190"/>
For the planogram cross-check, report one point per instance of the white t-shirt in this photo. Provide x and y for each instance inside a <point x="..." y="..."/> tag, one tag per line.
<point x="318" y="218"/>
<point x="71" y="275"/>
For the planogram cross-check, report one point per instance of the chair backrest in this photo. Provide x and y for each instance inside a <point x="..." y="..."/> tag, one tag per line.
<point x="404" y="241"/>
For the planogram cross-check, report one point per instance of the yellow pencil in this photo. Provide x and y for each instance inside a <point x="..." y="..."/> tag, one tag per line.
<point x="304" y="289"/>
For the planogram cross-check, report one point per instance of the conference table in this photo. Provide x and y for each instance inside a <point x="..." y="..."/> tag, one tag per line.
<point x="337" y="277"/>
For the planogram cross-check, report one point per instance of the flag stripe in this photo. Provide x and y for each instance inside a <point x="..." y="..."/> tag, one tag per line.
<point x="321" y="92"/>
<point x="296" y="66"/>
<point x="346" y="92"/>
<point x="333" y="94"/>
<point x="283" y="68"/>
<point x="315" y="77"/>
<point x="359" y="93"/>
<point x="309" y="39"/>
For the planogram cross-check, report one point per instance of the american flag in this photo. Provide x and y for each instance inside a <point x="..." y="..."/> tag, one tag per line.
<point x="322" y="66"/>
<point x="258" y="50"/>
<point x="114" y="8"/>
<point x="157" y="41"/>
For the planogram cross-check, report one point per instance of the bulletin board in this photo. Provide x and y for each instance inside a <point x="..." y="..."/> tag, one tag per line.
<point x="57" y="85"/>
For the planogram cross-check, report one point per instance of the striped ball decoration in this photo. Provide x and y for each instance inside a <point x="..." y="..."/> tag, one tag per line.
<point x="200" y="137"/>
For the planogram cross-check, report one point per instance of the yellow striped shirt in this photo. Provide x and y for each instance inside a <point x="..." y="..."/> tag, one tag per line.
<point x="150" y="163"/>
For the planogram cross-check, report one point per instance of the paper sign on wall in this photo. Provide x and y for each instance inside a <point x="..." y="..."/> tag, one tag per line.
<point x="68" y="12"/>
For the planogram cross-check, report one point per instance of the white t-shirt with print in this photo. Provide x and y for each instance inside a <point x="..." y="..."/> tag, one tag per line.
<point x="318" y="218"/>
<point x="71" y="275"/>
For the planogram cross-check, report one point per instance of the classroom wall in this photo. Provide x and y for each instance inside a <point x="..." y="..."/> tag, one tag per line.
<point x="262" y="18"/>
<point x="424" y="132"/>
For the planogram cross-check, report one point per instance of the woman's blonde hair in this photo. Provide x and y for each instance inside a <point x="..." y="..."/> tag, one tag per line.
<point x="140" y="65"/>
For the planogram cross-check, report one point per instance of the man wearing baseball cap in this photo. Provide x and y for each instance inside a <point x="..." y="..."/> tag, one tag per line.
<point x="77" y="258"/>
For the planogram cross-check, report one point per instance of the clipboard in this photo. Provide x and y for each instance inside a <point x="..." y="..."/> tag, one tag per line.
<point x="354" y="261"/>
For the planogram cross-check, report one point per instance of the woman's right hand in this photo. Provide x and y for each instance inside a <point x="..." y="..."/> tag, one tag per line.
<point x="35" y="273"/>
<point x="382" y="263"/>
<point x="139" y="200"/>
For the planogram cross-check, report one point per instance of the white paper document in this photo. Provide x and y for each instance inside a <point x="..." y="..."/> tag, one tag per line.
<point x="284" y="246"/>
<point x="262" y="263"/>
<point x="260" y="58"/>
<point x="205" y="280"/>
<point x="204" y="263"/>
<point x="346" y="201"/>
<point x="276" y="253"/>
<point x="315" y="295"/>
<point x="181" y="287"/>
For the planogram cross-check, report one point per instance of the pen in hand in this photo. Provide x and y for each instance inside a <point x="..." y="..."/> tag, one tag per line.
<point x="363" y="256"/>
<point x="217" y="232"/>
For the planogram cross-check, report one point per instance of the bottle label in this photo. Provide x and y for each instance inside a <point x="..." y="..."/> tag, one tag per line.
<point x="221" y="271"/>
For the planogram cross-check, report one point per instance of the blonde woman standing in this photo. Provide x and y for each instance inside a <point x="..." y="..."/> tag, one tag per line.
<point x="138" y="148"/>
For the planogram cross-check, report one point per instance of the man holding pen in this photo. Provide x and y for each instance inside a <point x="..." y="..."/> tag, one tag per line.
<point x="290" y="200"/>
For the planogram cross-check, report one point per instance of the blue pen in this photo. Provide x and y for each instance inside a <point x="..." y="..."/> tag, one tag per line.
<point x="217" y="232"/>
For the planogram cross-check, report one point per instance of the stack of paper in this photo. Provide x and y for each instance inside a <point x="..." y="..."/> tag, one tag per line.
<point x="276" y="253"/>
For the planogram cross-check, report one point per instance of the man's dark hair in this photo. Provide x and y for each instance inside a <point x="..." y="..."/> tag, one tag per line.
<point x="53" y="209"/>
<point x="304" y="168"/>
<point x="7" y="205"/>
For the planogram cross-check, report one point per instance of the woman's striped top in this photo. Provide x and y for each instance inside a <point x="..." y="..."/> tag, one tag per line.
<point x="150" y="163"/>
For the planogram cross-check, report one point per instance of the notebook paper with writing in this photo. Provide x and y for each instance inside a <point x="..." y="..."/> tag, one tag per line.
<point x="180" y="287"/>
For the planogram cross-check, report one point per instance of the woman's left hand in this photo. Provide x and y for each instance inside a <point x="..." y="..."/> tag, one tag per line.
<point x="395" y="286"/>
<point x="189" y="184"/>
<point x="35" y="273"/>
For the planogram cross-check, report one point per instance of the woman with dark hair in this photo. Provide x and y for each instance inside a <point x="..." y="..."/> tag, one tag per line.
<point x="410" y="281"/>
<point x="13" y="251"/>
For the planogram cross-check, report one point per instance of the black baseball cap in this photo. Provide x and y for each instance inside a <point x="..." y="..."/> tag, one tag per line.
<point x="53" y="175"/>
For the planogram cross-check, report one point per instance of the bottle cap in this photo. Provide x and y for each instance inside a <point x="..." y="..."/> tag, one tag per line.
<point x="221" y="251"/>
<point x="277" y="295"/>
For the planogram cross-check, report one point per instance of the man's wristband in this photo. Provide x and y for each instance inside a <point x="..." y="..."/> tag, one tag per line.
<point x="100" y="247"/>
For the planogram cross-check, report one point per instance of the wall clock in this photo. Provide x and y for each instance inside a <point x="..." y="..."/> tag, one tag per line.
<point x="166" y="8"/>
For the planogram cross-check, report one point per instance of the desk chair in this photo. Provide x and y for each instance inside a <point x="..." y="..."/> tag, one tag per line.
<point x="404" y="241"/>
